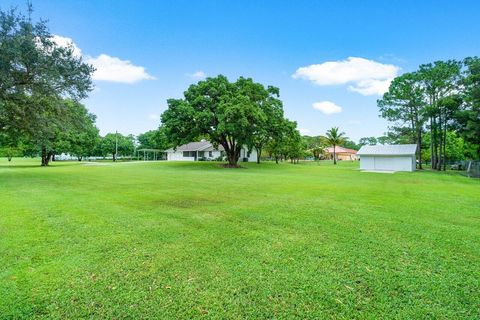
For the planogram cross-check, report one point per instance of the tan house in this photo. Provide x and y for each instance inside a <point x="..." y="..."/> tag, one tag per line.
<point x="341" y="153"/>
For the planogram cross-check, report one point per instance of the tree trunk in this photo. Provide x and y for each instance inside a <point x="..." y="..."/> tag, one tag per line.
<point x="440" y="143"/>
<point x="445" y="146"/>
<point x="259" y="153"/>
<point x="416" y="139"/>
<point x="434" y="137"/>
<point x="435" y="143"/>
<point x="114" y="157"/>
<point x="232" y="151"/>
<point x="334" y="156"/>
<point x="432" y="156"/>
<point x="419" y="147"/>
<point x="9" y="158"/>
<point x="44" y="157"/>
<point x="232" y="156"/>
<point x="276" y="159"/>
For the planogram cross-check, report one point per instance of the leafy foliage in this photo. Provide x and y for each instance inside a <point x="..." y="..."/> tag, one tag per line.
<point x="153" y="139"/>
<point x="315" y="146"/>
<point x="36" y="75"/>
<point x="468" y="117"/>
<point x="367" y="141"/>
<point x="116" y="145"/>
<point x="404" y="104"/>
<point x="231" y="114"/>
<point x="439" y="98"/>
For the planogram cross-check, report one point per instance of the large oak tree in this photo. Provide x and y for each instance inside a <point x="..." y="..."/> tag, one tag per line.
<point x="230" y="114"/>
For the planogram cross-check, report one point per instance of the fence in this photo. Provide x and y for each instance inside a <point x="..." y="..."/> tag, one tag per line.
<point x="473" y="169"/>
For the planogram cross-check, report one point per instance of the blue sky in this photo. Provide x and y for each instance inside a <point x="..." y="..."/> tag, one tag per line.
<point x="149" y="51"/>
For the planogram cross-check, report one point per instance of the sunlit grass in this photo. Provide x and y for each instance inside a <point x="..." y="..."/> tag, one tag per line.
<point x="186" y="240"/>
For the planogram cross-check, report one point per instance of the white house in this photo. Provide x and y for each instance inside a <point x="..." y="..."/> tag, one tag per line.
<point x="65" y="156"/>
<point x="399" y="157"/>
<point x="204" y="150"/>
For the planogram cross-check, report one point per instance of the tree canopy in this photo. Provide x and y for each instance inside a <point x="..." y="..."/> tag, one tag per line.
<point x="403" y="102"/>
<point x="438" y="99"/>
<point x="37" y="76"/>
<point x="230" y="114"/>
<point x="153" y="139"/>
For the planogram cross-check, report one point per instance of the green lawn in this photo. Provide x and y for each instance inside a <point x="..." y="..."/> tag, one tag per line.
<point x="193" y="240"/>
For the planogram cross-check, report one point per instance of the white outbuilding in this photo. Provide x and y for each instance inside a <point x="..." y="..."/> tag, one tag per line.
<point x="400" y="157"/>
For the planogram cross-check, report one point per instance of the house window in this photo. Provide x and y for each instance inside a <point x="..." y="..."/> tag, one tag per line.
<point x="210" y="154"/>
<point x="201" y="154"/>
<point x="187" y="154"/>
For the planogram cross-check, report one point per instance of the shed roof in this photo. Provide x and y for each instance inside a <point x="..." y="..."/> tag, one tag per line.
<point x="388" y="150"/>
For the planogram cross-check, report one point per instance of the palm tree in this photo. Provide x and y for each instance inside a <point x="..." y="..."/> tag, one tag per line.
<point x="335" y="138"/>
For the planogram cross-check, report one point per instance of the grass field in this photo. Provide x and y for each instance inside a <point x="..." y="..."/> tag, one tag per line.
<point x="192" y="240"/>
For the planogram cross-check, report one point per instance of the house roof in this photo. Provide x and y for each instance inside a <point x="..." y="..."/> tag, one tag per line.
<point x="196" y="146"/>
<point x="389" y="150"/>
<point x="212" y="148"/>
<point x="340" y="150"/>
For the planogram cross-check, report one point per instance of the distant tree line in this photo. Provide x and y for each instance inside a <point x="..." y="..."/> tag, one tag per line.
<point x="436" y="107"/>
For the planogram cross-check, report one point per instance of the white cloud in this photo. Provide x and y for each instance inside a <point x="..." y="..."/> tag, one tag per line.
<point x="153" y="116"/>
<point x="113" y="69"/>
<point x="364" y="76"/>
<point x="197" y="75"/>
<point x="327" y="107"/>
<point x="66" y="42"/>
<point x="304" y="131"/>
<point x="371" y="87"/>
<point x="108" y="68"/>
